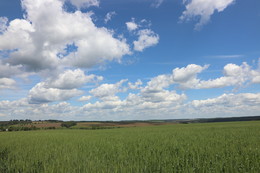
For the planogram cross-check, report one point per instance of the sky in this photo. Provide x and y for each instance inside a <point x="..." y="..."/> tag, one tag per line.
<point x="129" y="60"/>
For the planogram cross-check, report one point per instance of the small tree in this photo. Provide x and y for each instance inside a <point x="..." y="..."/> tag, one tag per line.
<point x="68" y="124"/>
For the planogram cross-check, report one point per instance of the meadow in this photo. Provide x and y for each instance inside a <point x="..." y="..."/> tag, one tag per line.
<point x="199" y="147"/>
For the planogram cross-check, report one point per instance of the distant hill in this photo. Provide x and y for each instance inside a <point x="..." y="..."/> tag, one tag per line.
<point x="225" y="119"/>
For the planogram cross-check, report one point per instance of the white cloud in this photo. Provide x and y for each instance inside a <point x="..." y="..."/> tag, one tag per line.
<point x="135" y="106"/>
<point x="135" y="85"/>
<point x="244" y="104"/>
<point x="21" y="109"/>
<point x="98" y="48"/>
<point x="71" y="79"/>
<point x="41" y="94"/>
<point x="187" y="78"/>
<point x="7" y="83"/>
<point x="84" y="98"/>
<point x="168" y="105"/>
<point x="131" y="26"/>
<point x="6" y="70"/>
<point x="152" y="100"/>
<point x="61" y="87"/>
<point x="158" y="83"/>
<point x="204" y="9"/>
<point x="48" y="30"/>
<point x="108" y="91"/>
<point x="109" y="16"/>
<point x="147" y="38"/>
<point x="256" y="76"/>
<point x="234" y="75"/>
<point x="187" y="73"/>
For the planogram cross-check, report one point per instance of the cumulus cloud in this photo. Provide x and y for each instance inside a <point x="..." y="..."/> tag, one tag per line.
<point x="228" y="100"/>
<point x="135" y="106"/>
<point x="158" y="83"/>
<point x="108" y="91"/>
<point x="41" y="94"/>
<point x="22" y="109"/>
<point x="256" y="76"/>
<point x="234" y="75"/>
<point x="168" y="104"/>
<point x="131" y="26"/>
<point x="147" y="38"/>
<point x="6" y="70"/>
<point x="71" y="79"/>
<point x="135" y="85"/>
<point x="243" y="104"/>
<point x="203" y="9"/>
<point x="109" y="16"/>
<point x="61" y="87"/>
<point x="84" y="98"/>
<point x="187" y="78"/>
<point x="154" y="99"/>
<point x="48" y="30"/>
<point x="7" y="83"/>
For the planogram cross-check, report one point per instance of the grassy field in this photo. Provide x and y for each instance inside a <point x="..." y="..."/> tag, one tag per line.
<point x="207" y="147"/>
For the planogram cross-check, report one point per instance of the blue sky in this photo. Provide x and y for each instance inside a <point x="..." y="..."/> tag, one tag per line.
<point x="132" y="59"/>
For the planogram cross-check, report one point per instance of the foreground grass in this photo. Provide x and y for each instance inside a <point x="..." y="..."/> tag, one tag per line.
<point x="213" y="147"/>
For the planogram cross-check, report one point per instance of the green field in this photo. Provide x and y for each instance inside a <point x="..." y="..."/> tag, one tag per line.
<point x="208" y="147"/>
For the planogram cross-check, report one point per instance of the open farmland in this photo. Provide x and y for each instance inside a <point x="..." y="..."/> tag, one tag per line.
<point x="208" y="147"/>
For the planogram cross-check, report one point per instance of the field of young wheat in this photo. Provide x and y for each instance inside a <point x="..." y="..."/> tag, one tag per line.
<point x="209" y="147"/>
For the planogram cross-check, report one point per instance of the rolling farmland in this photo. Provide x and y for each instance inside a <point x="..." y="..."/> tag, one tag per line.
<point x="207" y="147"/>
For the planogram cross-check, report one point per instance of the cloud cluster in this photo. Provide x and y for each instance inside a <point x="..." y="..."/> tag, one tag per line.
<point x="49" y="39"/>
<point x="151" y="100"/>
<point x="187" y="77"/>
<point x="62" y="87"/>
<point x="134" y="107"/>
<point x="243" y="104"/>
<point x="155" y="92"/>
<point x="72" y="79"/>
<point x="108" y="91"/>
<point x="47" y="31"/>
<point x="203" y="9"/>
<point x="21" y="109"/>
<point x="146" y="37"/>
